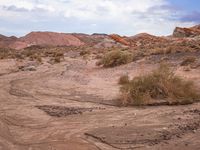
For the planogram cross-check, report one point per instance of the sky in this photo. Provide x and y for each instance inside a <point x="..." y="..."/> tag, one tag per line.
<point x="124" y="17"/>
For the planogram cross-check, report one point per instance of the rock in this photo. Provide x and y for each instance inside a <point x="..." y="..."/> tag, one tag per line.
<point x="145" y="39"/>
<point x="195" y="65"/>
<point x="186" y="68"/>
<point x="27" y="68"/>
<point x="187" y="32"/>
<point x="119" y="39"/>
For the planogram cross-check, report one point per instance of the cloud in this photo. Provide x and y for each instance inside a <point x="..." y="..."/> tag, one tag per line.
<point x="107" y="16"/>
<point x="29" y="4"/>
<point x="13" y="8"/>
<point x="194" y="17"/>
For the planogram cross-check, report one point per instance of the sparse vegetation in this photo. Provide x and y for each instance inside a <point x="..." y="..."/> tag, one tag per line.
<point x="99" y="56"/>
<point x="58" y="54"/>
<point x="39" y="59"/>
<point x="115" y="58"/>
<point x="188" y="61"/>
<point x="57" y="59"/>
<point x="6" y="53"/>
<point x="160" y="84"/>
<point x="36" y="57"/>
<point x="35" y="53"/>
<point x="84" y="52"/>
<point x="124" y="79"/>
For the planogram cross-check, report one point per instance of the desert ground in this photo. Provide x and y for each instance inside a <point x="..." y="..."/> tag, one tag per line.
<point x="60" y="99"/>
<point x="73" y="105"/>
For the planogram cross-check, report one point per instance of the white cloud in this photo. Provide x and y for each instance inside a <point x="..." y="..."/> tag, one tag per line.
<point x="27" y="4"/>
<point x="120" y="16"/>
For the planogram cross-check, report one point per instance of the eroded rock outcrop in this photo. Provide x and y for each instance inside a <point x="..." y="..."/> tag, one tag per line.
<point x="187" y="32"/>
<point x="119" y="39"/>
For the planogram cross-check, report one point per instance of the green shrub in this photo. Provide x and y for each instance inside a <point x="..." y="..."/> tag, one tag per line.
<point x="160" y="84"/>
<point x="115" y="58"/>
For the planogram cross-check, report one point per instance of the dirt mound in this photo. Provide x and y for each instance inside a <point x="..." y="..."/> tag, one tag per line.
<point x="187" y="32"/>
<point x="46" y="38"/>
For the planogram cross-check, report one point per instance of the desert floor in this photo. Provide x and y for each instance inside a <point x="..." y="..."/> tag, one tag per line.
<point x="73" y="105"/>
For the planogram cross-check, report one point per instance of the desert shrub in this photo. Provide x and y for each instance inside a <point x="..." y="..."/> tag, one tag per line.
<point x="99" y="56"/>
<point x="39" y="59"/>
<point x="160" y="84"/>
<point x="84" y="52"/>
<point x="157" y="51"/>
<point x="124" y="79"/>
<point x="36" y="57"/>
<point x="188" y="60"/>
<point x="57" y="59"/>
<point x="58" y="54"/>
<point x="6" y="53"/>
<point x="18" y="56"/>
<point x="29" y="53"/>
<point x="34" y="47"/>
<point x="115" y="58"/>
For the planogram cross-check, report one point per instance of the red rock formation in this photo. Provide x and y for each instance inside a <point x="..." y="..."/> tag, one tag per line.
<point x="140" y="41"/>
<point x="119" y="39"/>
<point x="187" y="32"/>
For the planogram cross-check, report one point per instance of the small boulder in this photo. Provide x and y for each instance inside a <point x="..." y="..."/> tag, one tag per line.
<point x="27" y="68"/>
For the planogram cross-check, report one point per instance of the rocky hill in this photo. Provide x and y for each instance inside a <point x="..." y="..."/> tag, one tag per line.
<point x="142" y="40"/>
<point x="46" y="39"/>
<point x="6" y="41"/>
<point x="187" y="32"/>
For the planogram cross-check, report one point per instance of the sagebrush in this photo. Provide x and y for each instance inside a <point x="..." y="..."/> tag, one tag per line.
<point x="115" y="58"/>
<point x="161" y="84"/>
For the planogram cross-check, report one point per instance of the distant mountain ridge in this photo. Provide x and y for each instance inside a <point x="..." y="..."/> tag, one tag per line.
<point x="95" y="40"/>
